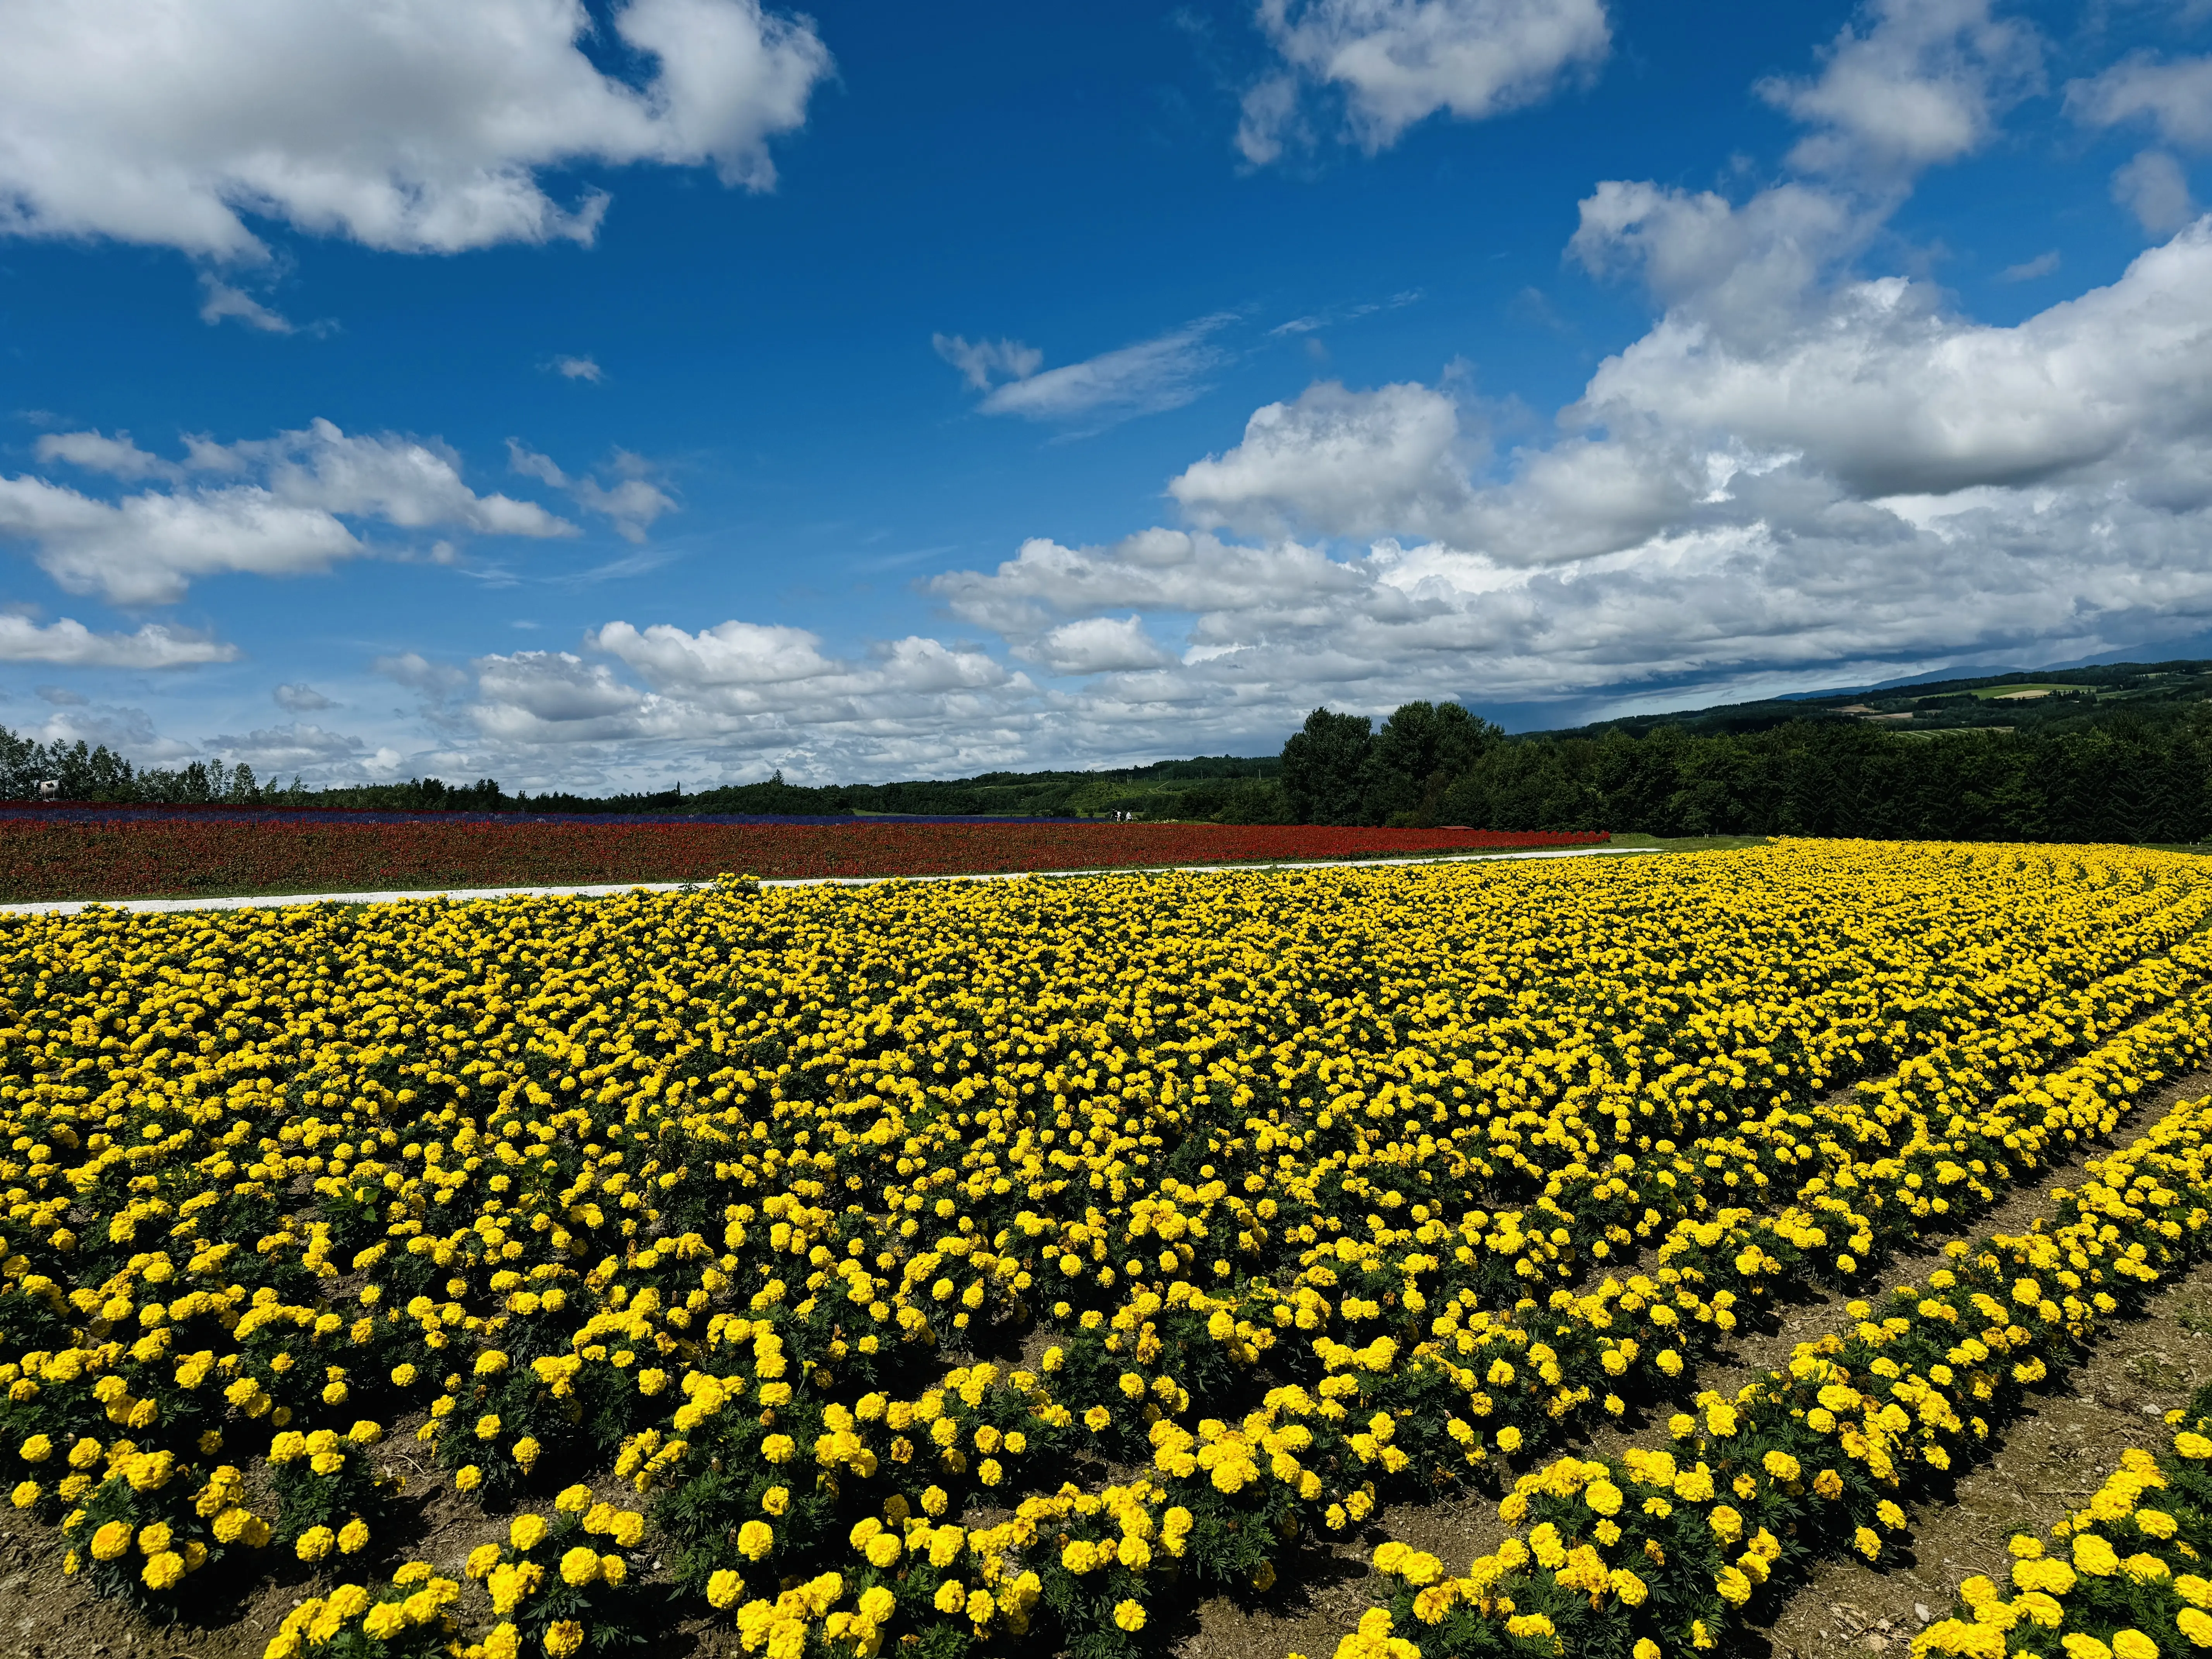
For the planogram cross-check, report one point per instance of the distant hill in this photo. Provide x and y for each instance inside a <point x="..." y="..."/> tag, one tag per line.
<point x="2017" y="700"/>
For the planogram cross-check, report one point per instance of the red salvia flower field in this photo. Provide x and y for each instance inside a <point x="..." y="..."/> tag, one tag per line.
<point x="188" y="856"/>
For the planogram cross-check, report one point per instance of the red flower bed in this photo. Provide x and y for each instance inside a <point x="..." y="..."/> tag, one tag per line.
<point x="183" y="857"/>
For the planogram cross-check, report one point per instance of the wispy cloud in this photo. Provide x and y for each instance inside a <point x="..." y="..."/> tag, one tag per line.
<point x="2028" y="270"/>
<point x="633" y="502"/>
<point x="1162" y="373"/>
<point x="219" y="301"/>
<point x="578" y="369"/>
<point x="982" y="362"/>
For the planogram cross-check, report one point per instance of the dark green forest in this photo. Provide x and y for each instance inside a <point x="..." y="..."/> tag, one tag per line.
<point x="2114" y="754"/>
<point x="2134" y="778"/>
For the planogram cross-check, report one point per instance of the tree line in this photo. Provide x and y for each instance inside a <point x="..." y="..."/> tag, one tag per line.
<point x="84" y="773"/>
<point x="2130" y="777"/>
<point x="2127" y="777"/>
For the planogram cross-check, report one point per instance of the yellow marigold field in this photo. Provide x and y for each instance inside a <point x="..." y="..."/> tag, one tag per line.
<point x="960" y="1264"/>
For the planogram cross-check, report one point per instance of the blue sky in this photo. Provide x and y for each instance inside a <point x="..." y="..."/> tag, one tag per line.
<point x="593" y="398"/>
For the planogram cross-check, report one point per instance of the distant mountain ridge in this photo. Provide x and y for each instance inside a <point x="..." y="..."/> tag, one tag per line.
<point x="2011" y="699"/>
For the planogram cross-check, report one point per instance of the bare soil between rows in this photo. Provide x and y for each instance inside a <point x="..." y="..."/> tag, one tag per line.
<point x="2048" y="1460"/>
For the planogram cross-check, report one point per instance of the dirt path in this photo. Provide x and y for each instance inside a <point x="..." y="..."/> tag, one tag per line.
<point x="2060" y="1453"/>
<point x="2048" y="1462"/>
<point x="1321" y="1598"/>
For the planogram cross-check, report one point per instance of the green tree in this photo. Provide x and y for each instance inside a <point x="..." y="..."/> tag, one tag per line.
<point x="1324" y="767"/>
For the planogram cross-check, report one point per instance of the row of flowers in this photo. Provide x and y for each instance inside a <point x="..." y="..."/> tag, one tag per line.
<point x="1672" y="1547"/>
<point x="187" y="856"/>
<point x="691" y="1188"/>
<point x="2125" y="1575"/>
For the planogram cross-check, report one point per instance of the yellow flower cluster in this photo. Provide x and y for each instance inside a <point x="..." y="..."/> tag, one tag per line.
<point x="2126" y="1577"/>
<point x="1865" y="1415"/>
<point x="417" y="1600"/>
<point x="693" y="1188"/>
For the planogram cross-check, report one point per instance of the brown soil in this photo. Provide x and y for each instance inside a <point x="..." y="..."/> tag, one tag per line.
<point x="2048" y="1462"/>
<point x="44" y="1615"/>
<point x="1321" y="1596"/>
<point x="2057" y="1455"/>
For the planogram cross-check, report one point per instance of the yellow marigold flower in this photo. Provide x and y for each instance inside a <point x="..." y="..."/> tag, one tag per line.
<point x="1129" y="1615"/>
<point x="562" y="1638"/>
<point x="165" y="1571"/>
<point x="755" y="1539"/>
<point x="386" y="1620"/>
<point x="724" y="1589"/>
<point x="2050" y="1578"/>
<point x="527" y="1532"/>
<point x="2095" y="1556"/>
<point x="951" y="1596"/>
<point x="314" y="1544"/>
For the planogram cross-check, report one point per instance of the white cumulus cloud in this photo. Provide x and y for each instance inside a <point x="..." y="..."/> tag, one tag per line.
<point x="266" y="507"/>
<point x="1397" y="62"/>
<point x="1916" y="83"/>
<point x="2155" y="189"/>
<point x="1847" y="477"/>
<point x="413" y="125"/>
<point x="631" y="503"/>
<point x="2173" y="97"/>
<point x="1097" y="645"/>
<point x="1346" y="463"/>
<point x="70" y="644"/>
<point x="740" y="688"/>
